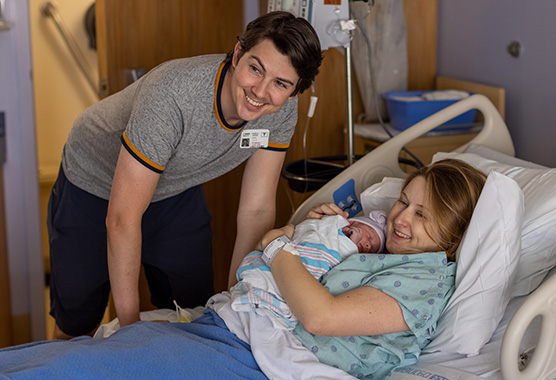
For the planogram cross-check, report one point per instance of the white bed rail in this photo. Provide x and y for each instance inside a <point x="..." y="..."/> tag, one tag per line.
<point x="383" y="161"/>
<point x="542" y="302"/>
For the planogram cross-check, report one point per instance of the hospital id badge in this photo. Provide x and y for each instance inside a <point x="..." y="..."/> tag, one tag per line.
<point x="254" y="138"/>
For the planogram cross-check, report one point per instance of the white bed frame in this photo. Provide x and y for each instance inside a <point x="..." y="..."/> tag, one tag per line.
<point x="383" y="162"/>
<point x="543" y="363"/>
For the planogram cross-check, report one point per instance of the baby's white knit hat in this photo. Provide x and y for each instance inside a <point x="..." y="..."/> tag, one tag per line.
<point x="377" y="221"/>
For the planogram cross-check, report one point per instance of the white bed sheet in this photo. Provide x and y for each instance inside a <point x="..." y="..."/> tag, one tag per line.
<point x="279" y="354"/>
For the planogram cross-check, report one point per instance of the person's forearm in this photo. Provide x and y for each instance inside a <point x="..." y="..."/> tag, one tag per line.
<point x="124" y="262"/>
<point x="306" y="297"/>
<point x="360" y="311"/>
<point x="250" y="229"/>
<point x="132" y="190"/>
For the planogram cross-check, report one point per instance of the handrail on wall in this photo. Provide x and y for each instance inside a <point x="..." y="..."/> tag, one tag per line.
<point x="48" y="9"/>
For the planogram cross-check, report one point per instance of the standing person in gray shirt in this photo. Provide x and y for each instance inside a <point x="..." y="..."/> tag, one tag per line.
<point x="129" y="187"/>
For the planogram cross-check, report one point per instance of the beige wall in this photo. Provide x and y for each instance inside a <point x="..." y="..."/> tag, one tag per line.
<point x="61" y="89"/>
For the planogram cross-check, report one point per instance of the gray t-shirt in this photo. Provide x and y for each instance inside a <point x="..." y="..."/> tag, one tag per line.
<point x="170" y="121"/>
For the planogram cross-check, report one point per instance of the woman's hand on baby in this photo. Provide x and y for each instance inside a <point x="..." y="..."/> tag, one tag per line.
<point x="322" y="209"/>
<point x="273" y="234"/>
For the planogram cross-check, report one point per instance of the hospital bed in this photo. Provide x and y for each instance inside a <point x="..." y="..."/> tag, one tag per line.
<point x="511" y="251"/>
<point x="523" y="346"/>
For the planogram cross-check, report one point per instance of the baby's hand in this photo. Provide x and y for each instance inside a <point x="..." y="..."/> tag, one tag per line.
<point x="321" y="209"/>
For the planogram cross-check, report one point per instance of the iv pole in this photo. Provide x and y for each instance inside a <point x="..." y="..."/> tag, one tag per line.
<point x="350" y="128"/>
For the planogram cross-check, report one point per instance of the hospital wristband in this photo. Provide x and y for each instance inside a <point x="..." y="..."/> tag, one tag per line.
<point x="290" y="248"/>
<point x="275" y="246"/>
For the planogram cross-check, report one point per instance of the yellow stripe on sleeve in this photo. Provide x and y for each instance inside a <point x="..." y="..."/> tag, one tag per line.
<point x="140" y="156"/>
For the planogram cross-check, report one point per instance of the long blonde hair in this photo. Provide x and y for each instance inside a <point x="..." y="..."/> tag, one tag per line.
<point x="453" y="188"/>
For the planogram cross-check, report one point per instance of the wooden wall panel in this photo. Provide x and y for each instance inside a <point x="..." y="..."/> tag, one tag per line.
<point x="142" y="33"/>
<point x="421" y="26"/>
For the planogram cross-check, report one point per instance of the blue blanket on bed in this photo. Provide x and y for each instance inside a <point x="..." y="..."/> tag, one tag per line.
<point x="203" y="349"/>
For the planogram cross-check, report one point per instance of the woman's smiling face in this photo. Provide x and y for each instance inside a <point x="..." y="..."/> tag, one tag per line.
<point x="411" y="225"/>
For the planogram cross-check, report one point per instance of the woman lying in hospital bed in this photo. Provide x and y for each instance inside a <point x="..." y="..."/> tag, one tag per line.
<point x="371" y="314"/>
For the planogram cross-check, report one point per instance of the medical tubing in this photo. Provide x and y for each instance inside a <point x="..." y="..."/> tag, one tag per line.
<point x="310" y="114"/>
<point x="290" y="199"/>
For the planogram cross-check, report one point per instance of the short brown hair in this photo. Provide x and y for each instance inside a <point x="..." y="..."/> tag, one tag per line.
<point x="453" y="188"/>
<point x="293" y="36"/>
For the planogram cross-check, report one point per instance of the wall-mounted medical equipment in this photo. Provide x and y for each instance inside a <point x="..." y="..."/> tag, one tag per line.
<point x="330" y="18"/>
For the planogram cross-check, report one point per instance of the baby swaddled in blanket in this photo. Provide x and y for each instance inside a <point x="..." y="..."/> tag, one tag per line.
<point x="321" y="244"/>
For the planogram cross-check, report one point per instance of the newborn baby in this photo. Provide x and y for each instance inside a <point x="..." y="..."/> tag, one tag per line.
<point x="368" y="233"/>
<point x="321" y="244"/>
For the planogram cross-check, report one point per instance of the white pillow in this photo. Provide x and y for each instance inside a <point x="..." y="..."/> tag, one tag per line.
<point x="381" y="195"/>
<point x="538" y="237"/>
<point x="486" y="266"/>
<point x="491" y="154"/>
<point x="486" y="262"/>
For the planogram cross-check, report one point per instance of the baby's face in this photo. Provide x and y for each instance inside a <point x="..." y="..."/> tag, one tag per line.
<point x="363" y="236"/>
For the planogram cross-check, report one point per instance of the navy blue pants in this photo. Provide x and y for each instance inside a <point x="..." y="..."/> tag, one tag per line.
<point x="176" y="254"/>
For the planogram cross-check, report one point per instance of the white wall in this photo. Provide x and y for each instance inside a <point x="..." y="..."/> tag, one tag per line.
<point x="472" y="40"/>
<point x="20" y="170"/>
